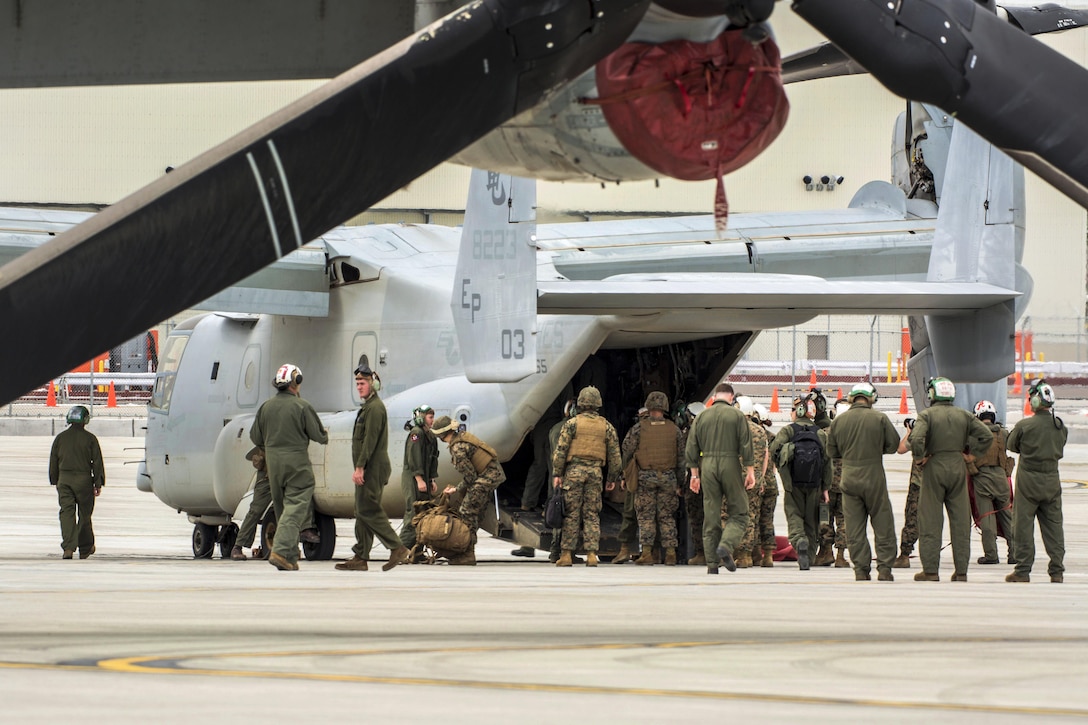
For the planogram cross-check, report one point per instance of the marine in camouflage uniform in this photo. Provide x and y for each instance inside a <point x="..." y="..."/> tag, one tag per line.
<point x="1040" y="440"/>
<point x="719" y="454"/>
<point x="990" y="474"/>
<point x="284" y="426"/>
<point x="628" y="534"/>
<point x="744" y="553"/>
<point x="942" y="436"/>
<point x="481" y="473"/>
<point x="77" y="470"/>
<point x="768" y="500"/>
<point x="656" y="445"/>
<point x="587" y="443"/>
<point x="908" y="537"/>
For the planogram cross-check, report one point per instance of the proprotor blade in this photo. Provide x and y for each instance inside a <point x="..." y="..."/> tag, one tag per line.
<point x="293" y="176"/>
<point x="1020" y="95"/>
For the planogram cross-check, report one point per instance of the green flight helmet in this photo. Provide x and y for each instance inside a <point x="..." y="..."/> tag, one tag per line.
<point x="78" y="414"/>
<point x="1041" y="395"/>
<point x="865" y="390"/>
<point x="940" y="389"/>
<point x="590" y="397"/>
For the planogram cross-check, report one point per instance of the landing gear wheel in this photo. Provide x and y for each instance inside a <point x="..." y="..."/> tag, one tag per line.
<point x="268" y="532"/>
<point x="322" y="551"/>
<point x="228" y="535"/>
<point x="204" y="537"/>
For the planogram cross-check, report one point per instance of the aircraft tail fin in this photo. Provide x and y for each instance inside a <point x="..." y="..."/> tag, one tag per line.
<point x="979" y="238"/>
<point x="494" y="291"/>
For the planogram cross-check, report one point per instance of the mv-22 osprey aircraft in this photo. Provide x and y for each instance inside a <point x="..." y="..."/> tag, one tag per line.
<point x="527" y="87"/>
<point x="632" y="305"/>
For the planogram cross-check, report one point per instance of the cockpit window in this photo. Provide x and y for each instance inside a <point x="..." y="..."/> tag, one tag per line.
<point x="167" y="373"/>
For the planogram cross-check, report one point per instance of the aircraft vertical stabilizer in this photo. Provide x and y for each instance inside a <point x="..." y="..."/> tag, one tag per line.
<point x="979" y="238"/>
<point x="494" y="291"/>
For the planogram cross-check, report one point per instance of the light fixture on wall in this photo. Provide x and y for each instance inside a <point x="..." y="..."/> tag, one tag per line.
<point x="827" y="181"/>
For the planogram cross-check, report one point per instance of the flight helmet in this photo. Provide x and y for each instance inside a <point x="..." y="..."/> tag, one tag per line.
<point x="1041" y="395"/>
<point x="865" y="390"/>
<point x="984" y="409"/>
<point x="78" y="414"/>
<point x="940" y="389"/>
<point x="804" y="407"/>
<point x="286" y="375"/>
<point x="590" y="397"/>
<point x="745" y="404"/>
<point x="418" y="414"/>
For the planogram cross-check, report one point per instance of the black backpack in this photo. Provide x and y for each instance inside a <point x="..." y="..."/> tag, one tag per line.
<point x="807" y="464"/>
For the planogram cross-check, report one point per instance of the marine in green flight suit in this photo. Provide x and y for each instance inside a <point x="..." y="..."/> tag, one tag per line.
<point x="370" y="454"/>
<point x="719" y="454"/>
<point x="284" y="426"/>
<point x="420" y="468"/>
<point x="942" y="437"/>
<point x="1040" y="440"/>
<point x="860" y="437"/>
<point x="801" y="504"/>
<point x="76" y="469"/>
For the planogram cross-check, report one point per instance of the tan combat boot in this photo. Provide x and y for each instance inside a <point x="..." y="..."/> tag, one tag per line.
<point x="565" y="560"/>
<point x="697" y="560"/>
<point x="826" y="557"/>
<point x="744" y="560"/>
<point x="840" y="560"/>
<point x="591" y="558"/>
<point x="647" y="558"/>
<point x="399" y="555"/>
<point x="670" y="556"/>
<point x="624" y="556"/>
<point x="901" y="562"/>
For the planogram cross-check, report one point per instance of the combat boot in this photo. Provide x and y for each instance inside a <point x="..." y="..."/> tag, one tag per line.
<point x="744" y="560"/>
<point x="802" y="555"/>
<point x="712" y="569"/>
<point x="958" y="577"/>
<point x="624" y="556"/>
<point x="725" y="555"/>
<point x="466" y="559"/>
<point x="768" y="559"/>
<point x="1014" y="577"/>
<point x="924" y="577"/>
<point x="862" y="576"/>
<point x="236" y="554"/>
<point x="1057" y="578"/>
<point x="68" y="553"/>
<point x="826" y="556"/>
<point x="280" y="563"/>
<point x="399" y="555"/>
<point x="885" y="575"/>
<point x="647" y="558"/>
<point x="355" y="563"/>
<point x="86" y="554"/>
<point x="988" y="560"/>
<point x="902" y="562"/>
<point x="564" y="560"/>
<point x="591" y="558"/>
<point x="697" y="560"/>
<point x="840" y="560"/>
<point x="670" y="556"/>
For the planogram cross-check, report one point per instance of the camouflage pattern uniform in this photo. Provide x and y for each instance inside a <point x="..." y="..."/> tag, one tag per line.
<point x="909" y="536"/>
<point x="656" y="496"/>
<point x="768" y="501"/>
<point x="76" y="469"/>
<point x="1040" y="440"/>
<point x="284" y="426"/>
<point x="755" y="493"/>
<point x="481" y="473"/>
<point x="582" y="479"/>
<point x="941" y="435"/>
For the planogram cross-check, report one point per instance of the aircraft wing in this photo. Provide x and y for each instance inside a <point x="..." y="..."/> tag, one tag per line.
<point x="635" y="294"/>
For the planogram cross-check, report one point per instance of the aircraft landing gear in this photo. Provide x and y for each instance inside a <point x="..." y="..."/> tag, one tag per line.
<point x="323" y="550"/>
<point x="204" y="538"/>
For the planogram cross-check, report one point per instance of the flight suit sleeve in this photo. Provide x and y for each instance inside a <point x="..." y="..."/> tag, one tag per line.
<point x="54" y="465"/>
<point x="891" y="437"/>
<point x="829" y="469"/>
<point x="1012" y="443"/>
<point x="315" y="431"/>
<point x="98" y="468"/>
<point x="980" y="438"/>
<point x="368" y="439"/>
<point x="256" y="434"/>
<point x="691" y="450"/>
<point x="780" y="439"/>
<point x="918" y="435"/>
<point x="744" y="445"/>
<point x="832" y="444"/>
<point x="414" y="450"/>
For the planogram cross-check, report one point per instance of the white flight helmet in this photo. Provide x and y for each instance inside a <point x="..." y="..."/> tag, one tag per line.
<point x="286" y="375"/>
<point x="746" y="404"/>
<point x="984" y="406"/>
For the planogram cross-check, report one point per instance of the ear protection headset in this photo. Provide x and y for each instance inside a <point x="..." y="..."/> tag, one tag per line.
<point x="802" y="406"/>
<point x="419" y="414"/>
<point x="287" y="374"/>
<point x="1040" y="395"/>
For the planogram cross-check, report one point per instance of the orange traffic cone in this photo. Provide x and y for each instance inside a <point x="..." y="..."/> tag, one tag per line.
<point x="812" y="378"/>
<point x="903" y="403"/>
<point x="840" y="394"/>
<point x="111" y="398"/>
<point x="1017" y="385"/>
<point x="774" y="400"/>
<point x="51" y="396"/>
<point x="1027" y="407"/>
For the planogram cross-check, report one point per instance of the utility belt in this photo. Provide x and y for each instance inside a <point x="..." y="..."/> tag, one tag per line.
<point x="579" y="461"/>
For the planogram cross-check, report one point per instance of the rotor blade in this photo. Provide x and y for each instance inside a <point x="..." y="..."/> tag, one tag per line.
<point x="820" y="61"/>
<point x="1023" y="97"/>
<point x="293" y="176"/>
<point x="1049" y="18"/>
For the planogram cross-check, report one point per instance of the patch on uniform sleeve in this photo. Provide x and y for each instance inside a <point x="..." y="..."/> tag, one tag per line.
<point x="415" y="437"/>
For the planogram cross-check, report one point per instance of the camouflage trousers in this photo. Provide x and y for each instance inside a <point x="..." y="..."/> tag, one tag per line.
<point x="751" y="531"/>
<point x="909" y="536"/>
<point x="693" y="502"/>
<point x="582" y="487"/>
<point x="655" y="508"/>
<point x="768" y="499"/>
<point x="477" y="496"/>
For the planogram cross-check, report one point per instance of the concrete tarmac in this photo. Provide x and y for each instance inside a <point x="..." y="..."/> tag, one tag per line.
<point x="141" y="632"/>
